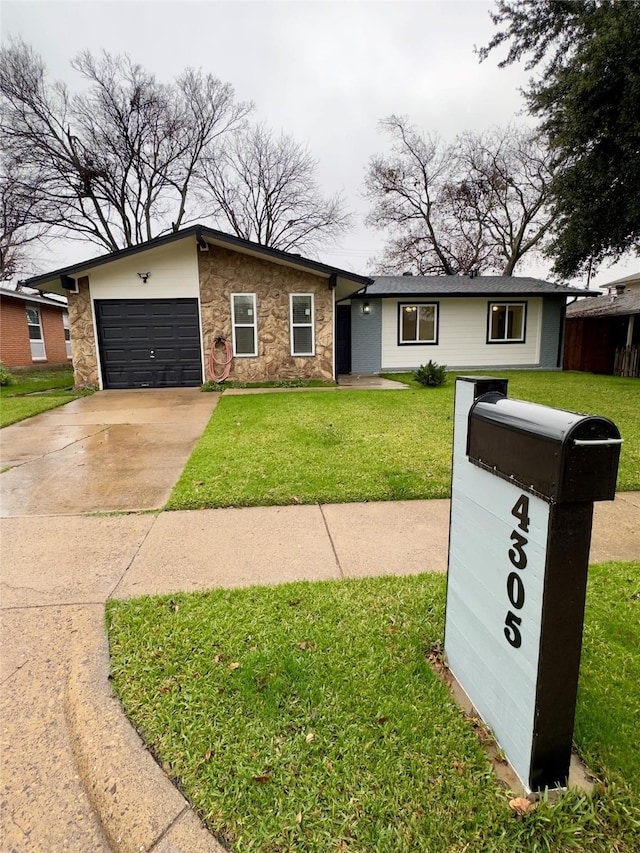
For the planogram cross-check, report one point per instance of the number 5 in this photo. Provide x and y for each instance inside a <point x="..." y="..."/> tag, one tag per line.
<point x="511" y="630"/>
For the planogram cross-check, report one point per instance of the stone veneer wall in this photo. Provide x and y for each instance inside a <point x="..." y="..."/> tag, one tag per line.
<point x="223" y="272"/>
<point x="85" y="357"/>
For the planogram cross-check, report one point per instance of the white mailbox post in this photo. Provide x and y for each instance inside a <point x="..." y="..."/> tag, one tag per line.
<point x="523" y="485"/>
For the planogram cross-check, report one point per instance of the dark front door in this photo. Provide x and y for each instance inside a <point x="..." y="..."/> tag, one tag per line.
<point x="149" y="343"/>
<point x="343" y="338"/>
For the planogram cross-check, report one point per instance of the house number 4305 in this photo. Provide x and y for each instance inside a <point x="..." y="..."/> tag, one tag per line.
<point x="518" y="559"/>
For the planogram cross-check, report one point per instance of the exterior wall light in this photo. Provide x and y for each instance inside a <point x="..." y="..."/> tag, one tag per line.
<point x="366" y="308"/>
<point x="144" y="276"/>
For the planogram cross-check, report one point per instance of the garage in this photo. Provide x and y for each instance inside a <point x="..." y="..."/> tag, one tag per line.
<point x="149" y="343"/>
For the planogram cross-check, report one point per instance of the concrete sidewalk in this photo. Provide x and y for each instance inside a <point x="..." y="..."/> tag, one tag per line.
<point x="75" y="775"/>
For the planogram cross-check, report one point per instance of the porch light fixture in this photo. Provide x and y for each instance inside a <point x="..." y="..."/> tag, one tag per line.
<point x="144" y="276"/>
<point x="366" y="308"/>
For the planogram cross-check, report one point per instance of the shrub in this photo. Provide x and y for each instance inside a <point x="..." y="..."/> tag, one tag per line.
<point x="5" y="377"/>
<point x="431" y="374"/>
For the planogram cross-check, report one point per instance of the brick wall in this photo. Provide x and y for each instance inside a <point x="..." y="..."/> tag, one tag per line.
<point x="53" y="331"/>
<point x="15" y="349"/>
<point x="14" y="338"/>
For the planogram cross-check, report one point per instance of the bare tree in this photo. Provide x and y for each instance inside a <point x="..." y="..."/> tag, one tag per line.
<point x="513" y="169"/>
<point x="264" y="189"/>
<point x="116" y="162"/>
<point x="22" y="211"/>
<point x="478" y="204"/>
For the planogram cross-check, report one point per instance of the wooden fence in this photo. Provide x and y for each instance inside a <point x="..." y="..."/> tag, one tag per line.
<point x="627" y="361"/>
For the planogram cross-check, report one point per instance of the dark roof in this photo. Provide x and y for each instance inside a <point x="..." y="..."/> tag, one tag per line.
<point x="463" y="285"/>
<point x="32" y="297"/>
<point x="619" y="305"/>
<point x="218" y="238"/>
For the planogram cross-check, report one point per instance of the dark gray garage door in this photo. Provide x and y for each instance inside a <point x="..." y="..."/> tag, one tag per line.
<point x="149" y="343"/>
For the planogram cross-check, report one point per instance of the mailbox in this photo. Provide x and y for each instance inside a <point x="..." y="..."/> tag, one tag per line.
<point x="524" y="479"/>
<point x="562" y="456"/>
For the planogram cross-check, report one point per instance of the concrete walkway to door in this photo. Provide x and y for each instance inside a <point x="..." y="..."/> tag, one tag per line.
<point x="113" y="451"/>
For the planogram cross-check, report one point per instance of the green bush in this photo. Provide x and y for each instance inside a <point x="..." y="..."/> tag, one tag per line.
<point x="5" y="377"/>
<point x="431" y="374"/>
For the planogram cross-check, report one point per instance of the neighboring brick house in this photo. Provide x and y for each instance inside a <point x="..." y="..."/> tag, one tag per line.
<point x="34" y="330"/>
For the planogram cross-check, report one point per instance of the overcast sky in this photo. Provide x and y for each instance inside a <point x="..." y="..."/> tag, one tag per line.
<point x="325" y="72"/>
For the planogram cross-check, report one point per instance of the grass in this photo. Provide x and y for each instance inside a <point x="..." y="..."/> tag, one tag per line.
<point x="306" y="718"/>
<point x="310" y="447"/>
<point x="55" y="386"/>
<point x="347" y="446"/>
<point x="608" y="710"/>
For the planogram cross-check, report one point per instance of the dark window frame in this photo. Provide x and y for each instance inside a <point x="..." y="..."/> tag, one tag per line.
<point x="417" y="304"/>
<point x="506" y="304"/>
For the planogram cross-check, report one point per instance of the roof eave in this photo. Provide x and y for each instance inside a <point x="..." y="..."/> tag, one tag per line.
<point x="198" y="232"/>
<point x="461" y="293"/>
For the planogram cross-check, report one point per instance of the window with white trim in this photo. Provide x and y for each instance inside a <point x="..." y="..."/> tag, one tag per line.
<point x="418" y="323"/>
<point x="302" y="324"/>
<point x="67" y="334"/>
<point x="36" y="338"/>
<point x="244" y="324"/>
<point x="507" y="322"/>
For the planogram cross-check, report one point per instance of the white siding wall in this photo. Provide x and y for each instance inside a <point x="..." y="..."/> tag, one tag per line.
<point x="462" y="337"/>
<point x="173" y="275"/>
<point x="173" y="268"/>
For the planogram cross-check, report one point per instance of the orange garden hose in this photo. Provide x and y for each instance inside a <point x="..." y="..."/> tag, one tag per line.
<point x="226" y="362"/>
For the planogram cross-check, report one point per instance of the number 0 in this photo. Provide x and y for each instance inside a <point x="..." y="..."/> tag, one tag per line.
<point x="515" y="590"/>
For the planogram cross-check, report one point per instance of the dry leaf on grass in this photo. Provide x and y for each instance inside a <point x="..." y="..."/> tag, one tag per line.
<point x="520" y="805"/>
<point x="235" y="665"/>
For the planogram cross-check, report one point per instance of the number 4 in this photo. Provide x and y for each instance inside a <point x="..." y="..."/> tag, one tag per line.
<point x="521" y="512"/>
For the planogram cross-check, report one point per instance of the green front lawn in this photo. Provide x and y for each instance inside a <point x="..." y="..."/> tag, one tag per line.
<point x="341" y="446"/>
<point x="306" y="717"/>
<point x="34" y="392"/>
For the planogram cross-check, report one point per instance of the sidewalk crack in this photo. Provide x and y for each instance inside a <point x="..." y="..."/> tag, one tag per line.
<point x="333" y="547"/>
<point x="12" y="465"/>
<point x="169" y="827"/>
<point x="131" y="561"/>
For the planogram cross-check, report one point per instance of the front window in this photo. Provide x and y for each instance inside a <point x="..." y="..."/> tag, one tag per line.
<point x="67" y="334"/>
<point x="507" y="322"/>
<point x="418" y="323"/>
<point x="36" y="338"/>
<point x="244" y="324"/>
<point x="302" y="337"/>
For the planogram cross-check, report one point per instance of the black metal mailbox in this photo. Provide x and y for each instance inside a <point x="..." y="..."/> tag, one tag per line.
<point x="562" y="456"/>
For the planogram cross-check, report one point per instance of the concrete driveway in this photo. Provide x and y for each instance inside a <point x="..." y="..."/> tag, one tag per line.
<point x="115" y="450"/>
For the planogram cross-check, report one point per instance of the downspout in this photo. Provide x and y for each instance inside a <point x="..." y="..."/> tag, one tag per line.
<point x="563" y="320"/>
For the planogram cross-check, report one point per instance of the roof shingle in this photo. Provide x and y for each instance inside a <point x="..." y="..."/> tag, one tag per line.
<point x="462" y="285"/>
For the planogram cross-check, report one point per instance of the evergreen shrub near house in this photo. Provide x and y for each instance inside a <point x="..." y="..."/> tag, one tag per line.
<point x="431" y="374"/>
<point x="5" y="377"/>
